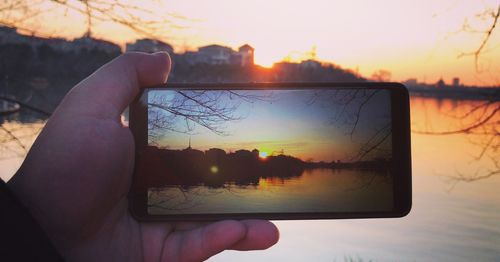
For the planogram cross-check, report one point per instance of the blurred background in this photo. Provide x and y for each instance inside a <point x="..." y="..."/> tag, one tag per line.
<point x="446" y="52"/>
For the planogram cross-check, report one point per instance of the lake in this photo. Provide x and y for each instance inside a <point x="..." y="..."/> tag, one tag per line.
<point x="449" y="221"/>
<point x="315" y="190"/>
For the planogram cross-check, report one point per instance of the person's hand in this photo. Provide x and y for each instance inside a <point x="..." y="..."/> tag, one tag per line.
<point x="76" y="177"/>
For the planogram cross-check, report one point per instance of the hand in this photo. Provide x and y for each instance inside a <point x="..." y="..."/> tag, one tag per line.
<point x="76" y="177"/>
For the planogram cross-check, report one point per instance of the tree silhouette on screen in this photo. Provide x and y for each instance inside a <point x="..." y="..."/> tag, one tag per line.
<point x="209" y="109"/>
<point x="352" y="105"/>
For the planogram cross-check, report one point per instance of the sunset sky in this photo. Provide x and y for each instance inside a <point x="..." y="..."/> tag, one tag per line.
<point x="411" y="39"/>
<point x="302" y="123"/>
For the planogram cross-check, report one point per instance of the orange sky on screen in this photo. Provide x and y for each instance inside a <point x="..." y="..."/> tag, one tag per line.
<point x="411" y="39"/>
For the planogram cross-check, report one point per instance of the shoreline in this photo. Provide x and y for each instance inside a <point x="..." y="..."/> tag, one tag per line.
<point x="457" y="93"/>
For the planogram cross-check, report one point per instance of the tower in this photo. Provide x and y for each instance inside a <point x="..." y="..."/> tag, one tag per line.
<point x="246" y="53"/>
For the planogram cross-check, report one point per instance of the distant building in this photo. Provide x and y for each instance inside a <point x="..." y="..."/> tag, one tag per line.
<point x="191" y="57"/>
<point x="440" y="83"/>
<point x="246" y="55"/>
<point x="456" y="82"/>
<point x="215" y="54"/>
<point x="221" y="55"/>
<point x="89" y="43"/>
<point x="10" y="35"/>
<point x="411" y="82"/>
<point x="149" y="46"/>
<point x="243" y="154"/>
<point x="255" y="153"/>
<point x="309" y="64"/>
<point x="214" y="155"/>
<point x="285" y="66"/>
<point x="193" y="154"/>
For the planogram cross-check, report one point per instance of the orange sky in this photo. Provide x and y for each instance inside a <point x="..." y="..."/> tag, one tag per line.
<point x="301" y="123"/>
<point x="412" y="39"/>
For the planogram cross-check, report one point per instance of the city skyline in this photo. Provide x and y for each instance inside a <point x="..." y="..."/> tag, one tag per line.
<point x="212" y="54"/>
<point x="411" y="40"/>
<point x="288" y="123"/>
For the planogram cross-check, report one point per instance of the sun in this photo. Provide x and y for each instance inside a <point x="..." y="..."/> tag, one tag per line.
<point x="263" y="154"/>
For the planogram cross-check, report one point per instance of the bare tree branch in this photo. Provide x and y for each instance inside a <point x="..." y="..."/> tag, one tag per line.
<point x="468" y="129"/>
<point x="352" y="106"/>
<point x="149" y="22"/>
<point x="487" y="35"/>
<point x="481" y="124"/>
<point x="209" y="109"/>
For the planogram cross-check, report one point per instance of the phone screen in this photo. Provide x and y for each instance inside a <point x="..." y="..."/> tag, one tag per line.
<point x="267" y="151"/>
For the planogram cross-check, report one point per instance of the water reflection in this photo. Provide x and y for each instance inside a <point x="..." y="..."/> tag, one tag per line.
<point x="451" y="121"/>
<point x="315" y="190"/>
<point x="17" y="133"/>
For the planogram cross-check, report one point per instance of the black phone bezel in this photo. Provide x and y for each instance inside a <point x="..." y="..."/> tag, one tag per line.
<point x="401" y="144"/>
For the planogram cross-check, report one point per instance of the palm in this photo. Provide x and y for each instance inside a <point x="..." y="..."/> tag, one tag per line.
<point x="76" y="177"/>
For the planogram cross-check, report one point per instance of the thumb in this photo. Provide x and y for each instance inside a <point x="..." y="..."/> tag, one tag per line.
<point x="109" y="90"/>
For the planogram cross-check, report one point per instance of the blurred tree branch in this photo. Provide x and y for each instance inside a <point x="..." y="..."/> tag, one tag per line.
<point x="151" y="22"/>
<point x="146" y="18"/>
<point x="491" y="14"/>
<point x="481" y="124"/>
<point x="15" y="139"/>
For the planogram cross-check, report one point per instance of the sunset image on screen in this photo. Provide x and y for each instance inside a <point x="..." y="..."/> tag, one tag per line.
<point x="218" y="151"/>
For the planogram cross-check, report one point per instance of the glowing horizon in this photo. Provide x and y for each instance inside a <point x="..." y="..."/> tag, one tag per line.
<point x="298" y="123"/>
<point x="410" y="39"/>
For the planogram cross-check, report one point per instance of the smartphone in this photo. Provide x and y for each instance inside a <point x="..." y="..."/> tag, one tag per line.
<point x="271" y="151"/>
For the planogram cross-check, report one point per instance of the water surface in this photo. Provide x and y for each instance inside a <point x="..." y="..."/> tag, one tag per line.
<point x="315" y="190"/>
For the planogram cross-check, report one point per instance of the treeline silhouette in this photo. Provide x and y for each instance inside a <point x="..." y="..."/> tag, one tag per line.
<point x="185" y="72"/>
<point x="214" y="167"/>
<point x="21" y="61"/>
<point x="42" y="74"/>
